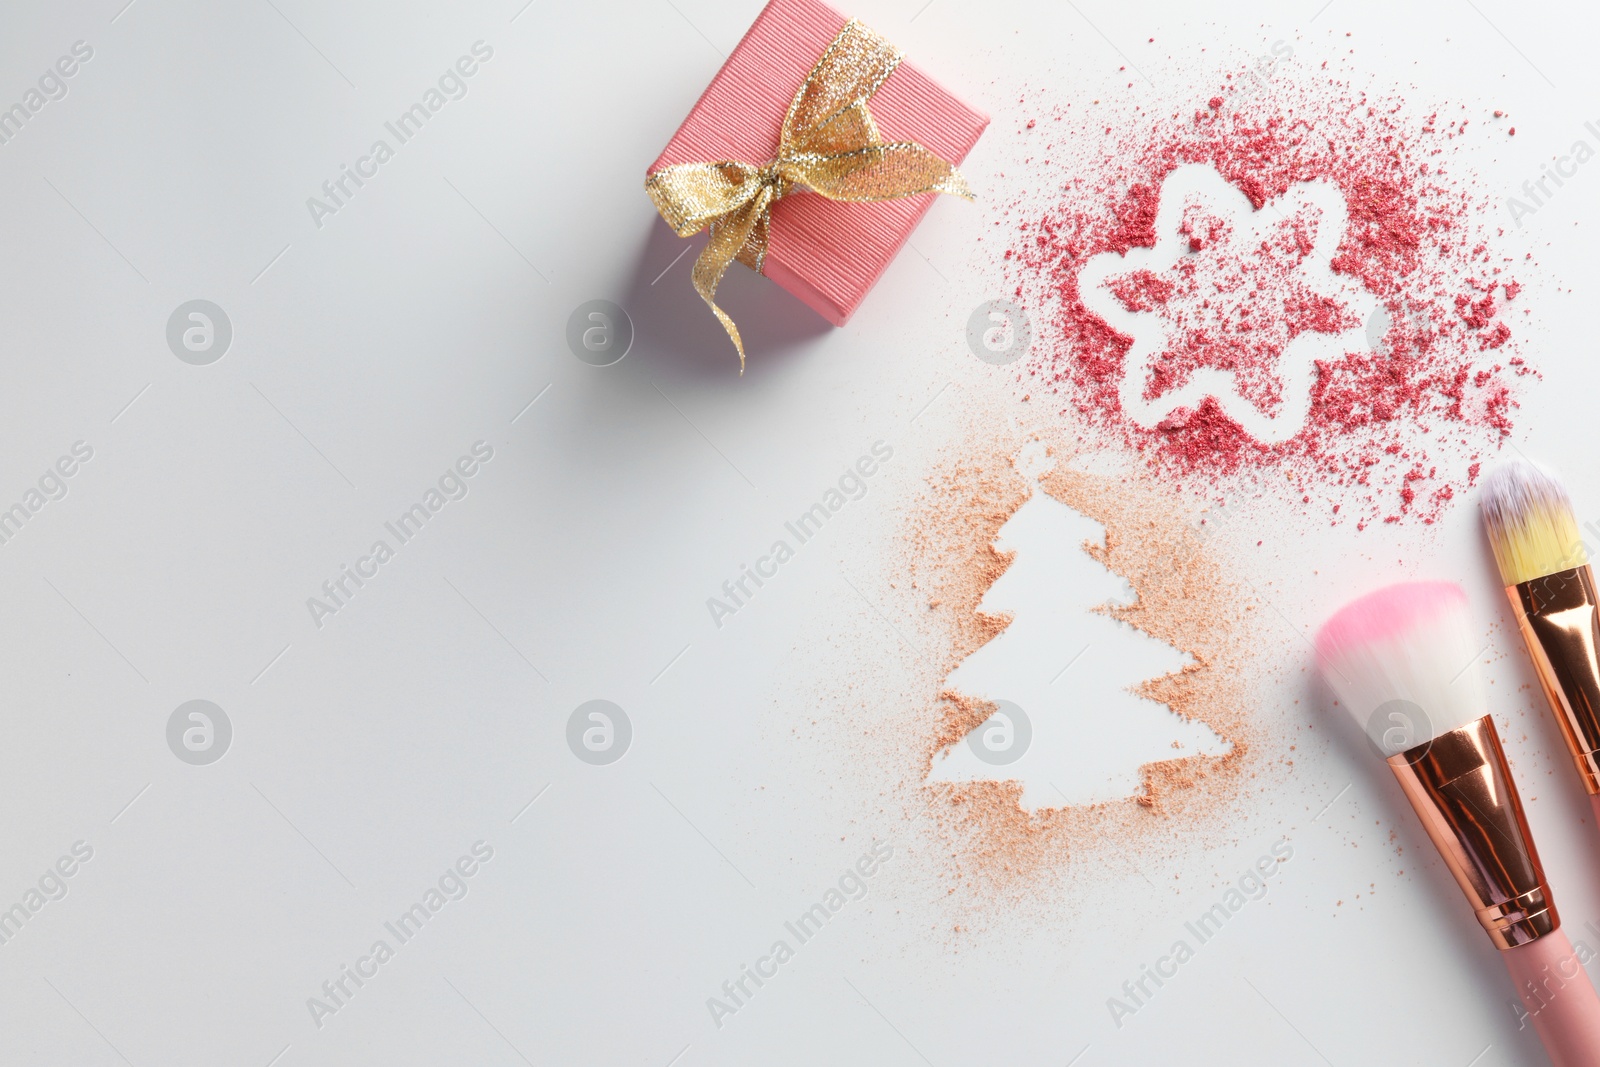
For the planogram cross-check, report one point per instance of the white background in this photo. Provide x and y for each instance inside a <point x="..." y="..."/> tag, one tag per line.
<point x="370" y="753"/>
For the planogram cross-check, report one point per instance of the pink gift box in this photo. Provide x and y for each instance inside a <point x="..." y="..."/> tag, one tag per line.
<point x="825" y="252"/>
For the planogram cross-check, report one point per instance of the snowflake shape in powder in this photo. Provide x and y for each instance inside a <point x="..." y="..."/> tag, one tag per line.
<point x="1234" y="303"/>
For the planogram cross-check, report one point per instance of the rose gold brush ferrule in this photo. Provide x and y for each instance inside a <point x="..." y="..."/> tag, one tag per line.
<point x="1461" y="787"/>
<point x="1561" y="624"/>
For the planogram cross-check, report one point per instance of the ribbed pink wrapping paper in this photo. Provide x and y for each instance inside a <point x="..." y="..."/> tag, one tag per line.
<point x="829" y="254"/>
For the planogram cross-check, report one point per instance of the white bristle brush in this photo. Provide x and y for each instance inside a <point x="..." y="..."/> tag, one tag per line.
<point x="1404" y="663"/>
<point x="1544" y="563"/>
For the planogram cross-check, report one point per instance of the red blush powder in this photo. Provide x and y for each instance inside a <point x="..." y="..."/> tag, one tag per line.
<point x="1399" y="423"/>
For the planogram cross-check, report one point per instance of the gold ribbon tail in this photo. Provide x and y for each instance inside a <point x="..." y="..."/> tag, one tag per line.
<point x="729" y="236"/>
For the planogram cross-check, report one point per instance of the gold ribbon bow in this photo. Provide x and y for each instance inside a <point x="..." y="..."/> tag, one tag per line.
<point x="828" y="144"/>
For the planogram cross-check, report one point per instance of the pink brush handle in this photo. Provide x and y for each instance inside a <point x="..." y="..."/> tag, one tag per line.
<point x="1594" y="799"/>
<point x="1559" y="998"/>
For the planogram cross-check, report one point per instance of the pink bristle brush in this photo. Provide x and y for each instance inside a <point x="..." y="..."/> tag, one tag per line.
<point x="1404" y="664"/>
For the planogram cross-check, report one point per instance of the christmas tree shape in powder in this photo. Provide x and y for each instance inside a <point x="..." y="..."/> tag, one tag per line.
<point x="1067" y="726"/>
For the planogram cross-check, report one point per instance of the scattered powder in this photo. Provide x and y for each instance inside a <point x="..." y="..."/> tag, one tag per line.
<point x="1397" y="429"/>
<point x="991" y="847"/>
<point x="953" y="553"/>
<point x="962" y="715"/>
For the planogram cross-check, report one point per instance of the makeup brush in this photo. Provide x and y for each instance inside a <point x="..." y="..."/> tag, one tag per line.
<point x="1403" y="662"/>
<point x="1545" y="565"/>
